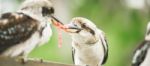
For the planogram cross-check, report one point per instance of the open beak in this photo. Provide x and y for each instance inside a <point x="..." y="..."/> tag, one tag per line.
<point x="71" y="28"/>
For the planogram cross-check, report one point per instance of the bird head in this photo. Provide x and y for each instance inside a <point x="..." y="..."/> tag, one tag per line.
<point x="82" y="30"/>
<point x="39" y="9"/>
<point x="147" y="37"/>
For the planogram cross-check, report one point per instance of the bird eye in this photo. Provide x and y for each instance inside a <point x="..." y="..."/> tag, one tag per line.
<point x="47" y="11"/>
<point x="52" y="10"/>
<point x="83" y="25"/>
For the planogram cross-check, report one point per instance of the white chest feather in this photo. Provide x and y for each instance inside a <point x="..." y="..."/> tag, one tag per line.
<point x="46" y="34"/>
<point x="89" y="54"/>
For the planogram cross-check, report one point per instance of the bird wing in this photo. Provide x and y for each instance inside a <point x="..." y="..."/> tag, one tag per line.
<point x="73" y="53"/>
<point x="15" y="28"/>
<point x="140" y="53"/>
<point x="105" y="45"/>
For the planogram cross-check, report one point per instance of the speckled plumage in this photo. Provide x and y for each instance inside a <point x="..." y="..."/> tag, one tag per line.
<point x="22" y="31"/>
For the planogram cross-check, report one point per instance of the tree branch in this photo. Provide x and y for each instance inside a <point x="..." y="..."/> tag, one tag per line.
<point x="5" y="61"/>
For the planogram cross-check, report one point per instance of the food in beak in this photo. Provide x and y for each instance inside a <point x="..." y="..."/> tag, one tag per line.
<point x="70" y="28"/>
<point x="57" y="23"/>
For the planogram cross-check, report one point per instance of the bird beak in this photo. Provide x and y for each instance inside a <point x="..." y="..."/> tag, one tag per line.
<point x="71" y="28"/>
<point x="55" y="21"/>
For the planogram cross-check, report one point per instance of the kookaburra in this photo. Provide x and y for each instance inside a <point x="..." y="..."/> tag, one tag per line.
<point x="142" y="53"/>
<point x="27" y="28"/>
<point x="89" y="43"/>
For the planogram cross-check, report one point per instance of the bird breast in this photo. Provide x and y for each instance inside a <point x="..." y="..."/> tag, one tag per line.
<point x="90" y="54"/>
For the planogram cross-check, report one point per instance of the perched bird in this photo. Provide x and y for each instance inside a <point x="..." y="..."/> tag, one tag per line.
<point x="29" y="27"/>
<point x="142" y="53"/>
<point x="89" y="43"/>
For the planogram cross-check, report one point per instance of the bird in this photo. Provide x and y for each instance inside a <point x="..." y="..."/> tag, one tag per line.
<point x="27" y="28"/>
<point x="89" y="44"/>
<point x="141" y="55"/>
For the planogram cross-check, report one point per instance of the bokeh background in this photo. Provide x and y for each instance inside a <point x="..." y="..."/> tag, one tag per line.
<point x="123" y="21"/>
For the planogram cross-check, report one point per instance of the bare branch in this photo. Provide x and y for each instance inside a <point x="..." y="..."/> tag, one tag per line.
<point x="5" y="61"/>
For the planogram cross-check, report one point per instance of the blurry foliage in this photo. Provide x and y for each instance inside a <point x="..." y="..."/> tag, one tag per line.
<point x="125" y="28"/>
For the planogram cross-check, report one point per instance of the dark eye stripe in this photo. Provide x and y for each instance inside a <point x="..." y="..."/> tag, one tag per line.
<point x="83" y="25"/>
<point x="88" y="29"/>
<point x="92" y="32"/>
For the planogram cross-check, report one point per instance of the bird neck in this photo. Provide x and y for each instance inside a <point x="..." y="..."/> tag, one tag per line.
<point x="87" y="41"/>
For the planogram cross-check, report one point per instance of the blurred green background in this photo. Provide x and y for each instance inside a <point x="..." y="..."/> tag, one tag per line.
<point x="123" y="21"/>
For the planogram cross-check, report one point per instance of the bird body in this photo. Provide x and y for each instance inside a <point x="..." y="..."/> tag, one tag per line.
<point x="17" y="32"/>
<point x="29" y="27"/>
<point x="88" y="42"/>
<point x="91" y="55"/>
<point x="142" y="53"/>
